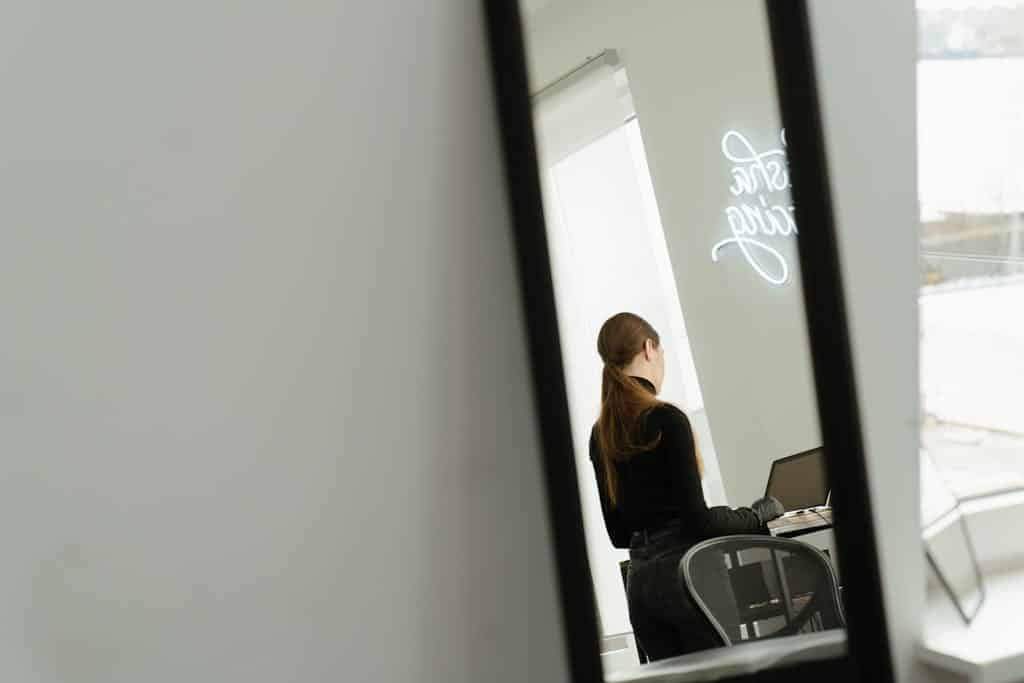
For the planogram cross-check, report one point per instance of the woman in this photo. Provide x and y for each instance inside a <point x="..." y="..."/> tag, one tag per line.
<point x="649" y="476"/>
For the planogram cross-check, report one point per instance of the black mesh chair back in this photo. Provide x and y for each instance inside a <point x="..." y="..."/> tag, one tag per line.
<point x="755" y="587"/>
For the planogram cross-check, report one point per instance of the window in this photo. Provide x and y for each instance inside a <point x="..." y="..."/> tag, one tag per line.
<point x="971" y="190"/>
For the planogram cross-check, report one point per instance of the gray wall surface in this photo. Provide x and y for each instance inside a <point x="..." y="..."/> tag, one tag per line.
<point x="265" y="413"/>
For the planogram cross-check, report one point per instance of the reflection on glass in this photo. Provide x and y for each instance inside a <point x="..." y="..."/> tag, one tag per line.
<point x="947" y="543"/>
<point x="667" y="198"/>
<point x="952" y="558"/>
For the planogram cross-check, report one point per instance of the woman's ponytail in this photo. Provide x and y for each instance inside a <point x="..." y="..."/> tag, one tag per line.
<point x="624" y="401"/>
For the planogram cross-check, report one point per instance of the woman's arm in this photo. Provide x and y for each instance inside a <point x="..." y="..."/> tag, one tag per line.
<point x="678" y="445"/>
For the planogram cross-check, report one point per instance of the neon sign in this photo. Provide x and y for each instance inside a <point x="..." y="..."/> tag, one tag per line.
<point x="756" y="176"/>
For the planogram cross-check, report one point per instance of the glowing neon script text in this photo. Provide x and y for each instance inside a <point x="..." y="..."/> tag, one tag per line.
<point x="757" y="174"/>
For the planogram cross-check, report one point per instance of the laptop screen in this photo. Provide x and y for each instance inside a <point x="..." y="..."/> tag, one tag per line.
<point x="799" y="481"/>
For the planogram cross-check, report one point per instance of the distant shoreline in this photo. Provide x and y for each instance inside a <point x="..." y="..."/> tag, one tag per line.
<point x="961" y="57"/>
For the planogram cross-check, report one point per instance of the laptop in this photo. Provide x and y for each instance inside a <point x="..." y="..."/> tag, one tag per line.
<point x="800" y="482"/>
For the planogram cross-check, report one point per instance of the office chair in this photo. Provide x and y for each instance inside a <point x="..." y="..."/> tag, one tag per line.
<point x="756" y="587"/>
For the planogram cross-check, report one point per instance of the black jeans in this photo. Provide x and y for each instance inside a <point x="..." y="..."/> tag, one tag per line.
<point x="665" y="621"/>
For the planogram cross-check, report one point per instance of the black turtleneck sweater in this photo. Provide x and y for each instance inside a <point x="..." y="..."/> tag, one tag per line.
<point x="661" y="487"/>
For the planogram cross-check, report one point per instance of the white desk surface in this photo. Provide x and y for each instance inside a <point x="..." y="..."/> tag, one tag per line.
<point x="991" y="649"/>
<point x="740" y="659"/>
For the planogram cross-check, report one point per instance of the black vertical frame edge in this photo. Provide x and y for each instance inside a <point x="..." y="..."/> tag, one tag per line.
<point x="515" y="121"/>
<point x="828" y="329"/>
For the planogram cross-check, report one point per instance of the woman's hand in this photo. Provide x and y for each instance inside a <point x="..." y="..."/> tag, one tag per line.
<point x="767" y="509"/>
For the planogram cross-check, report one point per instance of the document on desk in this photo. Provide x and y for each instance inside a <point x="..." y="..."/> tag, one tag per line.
<point x="809" y="521"/>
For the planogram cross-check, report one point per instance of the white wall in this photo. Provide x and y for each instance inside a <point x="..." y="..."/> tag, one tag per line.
<point x="264" y="412"/>
<point x="697" y="70"/>
<point x="868" y="112"/>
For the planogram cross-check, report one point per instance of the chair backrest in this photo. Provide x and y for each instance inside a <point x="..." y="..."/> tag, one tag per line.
<point x="754" y="587"/>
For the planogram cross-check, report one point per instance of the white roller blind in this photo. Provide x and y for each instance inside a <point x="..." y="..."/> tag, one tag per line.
<point x="582" y="107"/>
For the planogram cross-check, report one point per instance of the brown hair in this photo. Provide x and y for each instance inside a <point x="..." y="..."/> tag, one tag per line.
<point x="624" y="401"/>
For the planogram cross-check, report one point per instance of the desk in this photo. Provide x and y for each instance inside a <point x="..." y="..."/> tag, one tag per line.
<point x="813" y="528"/>
<point x="745" y="658"/>
<point x="799" y="525"/>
